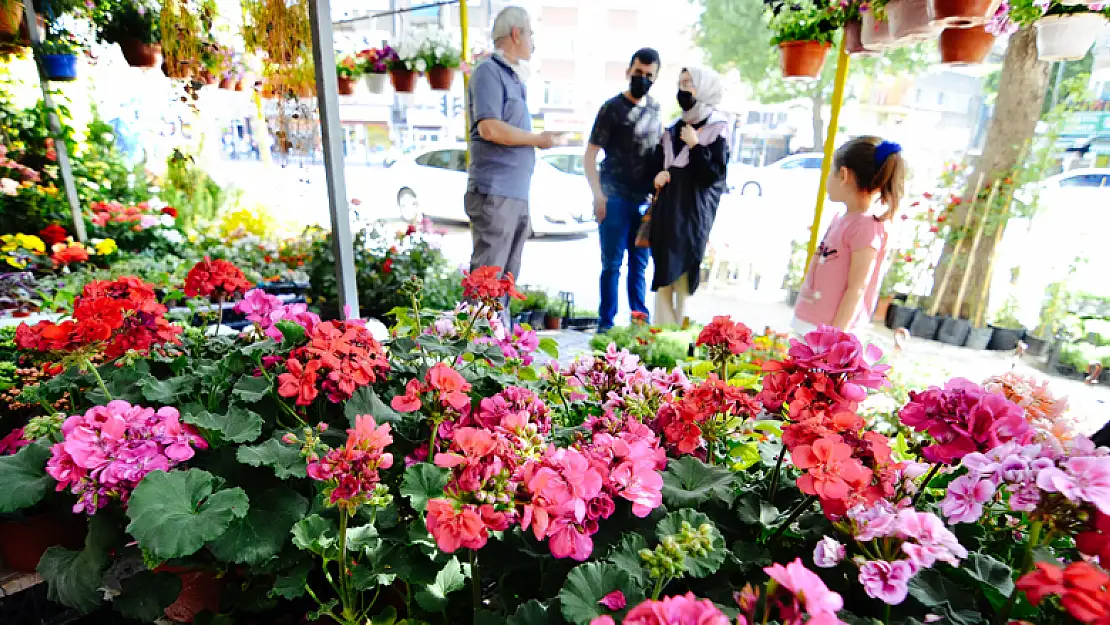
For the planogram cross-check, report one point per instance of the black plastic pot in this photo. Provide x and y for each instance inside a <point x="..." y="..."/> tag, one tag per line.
<point x="1005" y="339"/>
<point x="953" y="331"/>
<point x="899" y="316"/>
<point x="791" y="297"/>
<point x="536" y="319"/>
<point x="979" y="338"/>
<point x="925" y="326"/>
<point x="1037" y="347"/>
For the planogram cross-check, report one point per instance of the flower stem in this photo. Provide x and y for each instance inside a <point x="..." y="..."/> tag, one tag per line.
<point x="925" y="484"/>
<point x="473" y="318"/>
<point x="794" y="514"/>
<point x="416" y="314"/>
<point x="432" y="444"/>
<point x="775" y="475"/>
<point x="1026" y="565"/>
<point x="475" y="583"/>
<point x="660" y="584"/>
<point x="344" y="595"/>
<point x="886" y="613"/>
<point x="99" y="380"/>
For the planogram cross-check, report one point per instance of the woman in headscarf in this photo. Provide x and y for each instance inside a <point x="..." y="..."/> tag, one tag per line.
<point x="693" y="158"/>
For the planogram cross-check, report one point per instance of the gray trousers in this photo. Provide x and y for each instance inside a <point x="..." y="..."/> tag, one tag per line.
<point x="499" y="227"/>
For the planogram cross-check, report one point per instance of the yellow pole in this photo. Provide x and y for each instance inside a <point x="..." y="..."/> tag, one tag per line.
<point x="464" y="20"/>
<point x="830" y="146"/>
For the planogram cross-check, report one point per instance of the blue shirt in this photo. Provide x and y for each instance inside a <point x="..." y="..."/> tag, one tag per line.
<point x="496" y="92"/>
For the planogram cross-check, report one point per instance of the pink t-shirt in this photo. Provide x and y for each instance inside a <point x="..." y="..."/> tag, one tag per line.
<point x="827" y="279"/>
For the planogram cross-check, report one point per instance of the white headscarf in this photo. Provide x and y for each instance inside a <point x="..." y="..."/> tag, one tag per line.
<point x="709" y="90"/>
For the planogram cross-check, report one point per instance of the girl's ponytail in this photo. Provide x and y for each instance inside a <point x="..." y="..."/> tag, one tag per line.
<point x="878" y="166"/>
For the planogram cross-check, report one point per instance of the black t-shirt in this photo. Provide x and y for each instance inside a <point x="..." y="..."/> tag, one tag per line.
<point x="629" y="134"/>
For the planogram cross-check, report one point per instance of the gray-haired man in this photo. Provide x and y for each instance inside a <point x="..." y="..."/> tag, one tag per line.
<point x="502" y="147"/>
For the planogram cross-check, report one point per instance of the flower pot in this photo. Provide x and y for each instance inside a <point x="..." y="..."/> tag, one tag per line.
<point x="346" y="85"/>
<point x="910" y="20"/>
<point x="1067" y="37"/>
<point x="1036" y="346"/>
<point x="139" y="54"/>
<point x="60" y="67"/>
<point x="792" y="297"/>
<point x="882" y="308"/>
<point x="537" y="319"/>
<point x="1005" y="339"/>
<point x="802" y="59"/>
<point x="208" y="78"/>
<point x="23" y="543"/>
<point x="375" y="83"/>
<point x="953" y="331"/>
<point x="965" y="46"/>
<point x="979" y="338"/>
<point x="962" y="13"/>
<point x="200" y="591"/>
<point x="229" y="83"/>
<point x="874" y="34"/>
<point x="551" y="322"/>
<point x="853" y="38"/>
<point x="11" y="16"/>
<point x="925" y="326"/>
<point x="440" y="78"/>
<point x="900" y="316"/>
<point x="404" y="80"/>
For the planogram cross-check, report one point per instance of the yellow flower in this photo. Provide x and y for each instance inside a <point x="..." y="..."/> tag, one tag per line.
<point x="31" y="242"/>
<point x="15" y="262"/>
<point x="105" y="247"/>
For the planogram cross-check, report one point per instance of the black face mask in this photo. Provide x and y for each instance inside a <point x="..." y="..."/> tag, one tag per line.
<point x="638" y="86"/>
<point x="686" y="100"/>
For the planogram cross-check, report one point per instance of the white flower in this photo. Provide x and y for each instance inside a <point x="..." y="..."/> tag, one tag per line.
<point x="173" y="236"/>
<point x="8" y="186"/>
<point x="421" y="65"/>
<point x="828" y="553"/>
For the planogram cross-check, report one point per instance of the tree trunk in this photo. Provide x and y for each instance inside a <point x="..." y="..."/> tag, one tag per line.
<point x="817" y="101"/>
<point x="1017" y="109"/>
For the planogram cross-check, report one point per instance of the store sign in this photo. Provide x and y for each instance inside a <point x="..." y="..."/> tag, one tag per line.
<point x="1086" y="124"/>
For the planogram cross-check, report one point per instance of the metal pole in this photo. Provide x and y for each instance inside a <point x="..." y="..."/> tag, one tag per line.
<point x="464" y="23"/>
<point x="60" y="146"/>
<point x="327" y="88"/>
<point x="830" y="146"/>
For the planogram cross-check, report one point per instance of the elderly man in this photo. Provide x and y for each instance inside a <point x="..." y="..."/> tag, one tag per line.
<point x="502" y="146"/>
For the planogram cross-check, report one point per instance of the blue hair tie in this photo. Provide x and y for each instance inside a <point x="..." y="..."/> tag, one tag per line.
<point x="883" y="152"/>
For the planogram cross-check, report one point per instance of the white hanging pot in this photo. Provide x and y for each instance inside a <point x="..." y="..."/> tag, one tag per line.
<point x="1067" y="37"/>
<point x="1087" y="3"/>
<point x="874" y="34"/>
<point x="376" y="82"/>
<point x="910" y="20"/>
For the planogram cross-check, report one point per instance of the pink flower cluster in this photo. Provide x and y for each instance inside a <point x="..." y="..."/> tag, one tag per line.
<point x="800" y="593"/>
<point x="679" y="610"/>
<point x="833" y="352"/>
<point x="601" y="375"/>
<point x="265" y="311"/>
<point x="964" y="418"/>
<point x="352" y="470"/>
<point x="519" y="344"/>
<point x="1044" y="411"/>
<point x="107" y="451"/>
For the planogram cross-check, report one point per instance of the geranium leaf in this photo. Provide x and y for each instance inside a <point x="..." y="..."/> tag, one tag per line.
<point x="292" y="585"/>
<point x="74" y="578"/>
<point x="24" y="477"/>
<point x="167" y="392"/>
<point x="751" y="556"/>
<point x="422" y="482"/>
<point x="449" y="579"/>
<point x="318" y="535"/>
<point x="485" y="617"/>
<point x="535" y="613"/>
<point x="362" y="537"/>
<point x="550" y="347"/>
<point x="239" y="425"/>
<point x="934" y="591"/>
<point x="324" y="610"/>
<point x="994" y="578"/>
<point x="261" y="534"/>
<point x="366" y="402"/>
<point x="251" y="389"/>
<point x="626" y="555"/>
<point x="689" y="482"/>
<point x="174" y="514"/>
<point x="696" y="566"/>
<point x="587" y="584"/>
<point x="146" y="595"/>
<point x="292" y="334"/>
<point x="286" y="461"/>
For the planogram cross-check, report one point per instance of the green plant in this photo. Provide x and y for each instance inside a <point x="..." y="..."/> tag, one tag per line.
<point x="656" y="347"/>
<point x="796" y="267"/>
<point x="805" y="22"/>
<point x="121" y="20"/>
<point x="1006" y="317"/>
<point x="534" y="299"/>
<point x="348" y="67"/>
<point x="190" y="190"/>
<point x="1029" y="12"/>
<point x="61" y="41"/>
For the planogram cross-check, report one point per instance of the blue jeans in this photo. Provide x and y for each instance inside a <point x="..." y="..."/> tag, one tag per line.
<point x="618" y="235"/>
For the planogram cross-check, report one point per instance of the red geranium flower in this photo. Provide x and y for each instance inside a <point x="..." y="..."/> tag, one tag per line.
<point x="171" y="211"/>
<point x="215" y="279"/>
<point x="387" y="265"/>
<point x="1082" y="589"/>
<point x="831" y="471"/>
<point x="53" y="234"/>
<point x="485" y="284"/>
<point x="727" y="334"/>
<point x="69" y="254"/>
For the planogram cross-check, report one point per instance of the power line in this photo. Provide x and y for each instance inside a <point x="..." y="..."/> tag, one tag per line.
<point x="410" y="9"/>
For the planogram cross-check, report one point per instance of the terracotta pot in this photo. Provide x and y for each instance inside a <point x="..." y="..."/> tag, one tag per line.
<point x="1067" y="37"/>
<point x="228" y="83"/>
<point x="346" y="85"/>
<point x="962" y="13"/>
<point x="375" y="82"/>
<point x="179" y="72"/>
<point x="965" y="46"/>
<point x="246" y="83"/>
<point x="200" y="591"/>
<point x="910" y="20"/>
<point x="853" y="39"/>
<point x="208" y="78"/>
<point x="802" y="59"/>
<point x="551" y="322"/>
<point x="440" y="78"/>
<point x="882" y="308"/>
<point x="404" y="80"/>
<point x="139" y="54"/>
<point x="875" y="34"/>
<point x="11" y="18"/>
<point x="22" y="544"/>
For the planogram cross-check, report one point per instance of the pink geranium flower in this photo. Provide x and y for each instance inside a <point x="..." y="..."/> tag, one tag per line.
<point x="886" y="581"/>
<point x="965" y="499"/>
<point x="455" y="529"/>
<point x="1082" y="479"/>
<point x="807" y="587"/>
<point x="680" y="610"/>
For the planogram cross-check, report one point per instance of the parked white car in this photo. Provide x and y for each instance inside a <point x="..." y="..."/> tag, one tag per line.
<point x="432" y="182"/>
<point x="567" y="160"/>
<point x="797" y="173"/>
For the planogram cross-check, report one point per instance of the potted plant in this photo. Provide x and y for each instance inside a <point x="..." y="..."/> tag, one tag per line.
<point x="11" y="16"/>
<point x="874" y="29"/>
<point x="853" y="30"/>
<point x="59" y="55"/>
<point x="408" y="62"/>
<point x="962" y="13"/>
<point x="442" y="57"/>
<point x="135" y="26"/>
<point x="1053" y="312"/>
<point x="910" y="20"/>
<point x="375" y="66"/>
<point x="1065" y="31"/>
<point x="1008" y="330"/>
<point x="347" y="72"/>
<point x="804" y="35"/>
<point x="553" y="319"/>
<point x="965" y="46"/>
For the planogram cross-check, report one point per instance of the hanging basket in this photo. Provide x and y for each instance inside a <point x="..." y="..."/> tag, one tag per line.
<point x="1067" y="37"/>
<point x="853" y="38"/>
<point x="60" y="67"/>
<point x="404" y="80"/>
<point x="965" y="46"/>
<point x="910" y="20"/>
<point x="875" y="34"/>
<point x="346" y="85"/>
<point x="802" y="59"/>
<point x="962" y="13"/>
<point x="375" y="83"/>
<point x="139" y="54"/>
<point x="11" y="17"/>
<point x="440" y="78"/>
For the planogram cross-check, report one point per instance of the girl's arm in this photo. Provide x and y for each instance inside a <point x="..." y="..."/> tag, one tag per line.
<point x="710" y="162"/>
<point x="858" y="273"/>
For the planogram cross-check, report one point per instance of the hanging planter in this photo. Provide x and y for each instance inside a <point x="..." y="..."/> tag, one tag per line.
<point x="139" y="54"/>
<point x="440" y="78"/>
<point x="228" y="83"/>
<point x="404" y="80"/>
<point x="375" y="82"/>
<point x="874" y="33"/>
<point x="910" y="20"/>
<point x="11" y="17"/>
<point x="802" y="59"/>
<point x="1067" y="37"/>
<point x="346" y="85"/>
<point x="965" y="46"/>
<point x="853" y="38"/>
<point x="347" y="70"/>
<point x="962" y="13"/>
<point x="60" y="67"/>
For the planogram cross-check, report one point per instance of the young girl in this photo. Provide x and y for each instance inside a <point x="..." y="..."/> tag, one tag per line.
<point x="842" y="285"/>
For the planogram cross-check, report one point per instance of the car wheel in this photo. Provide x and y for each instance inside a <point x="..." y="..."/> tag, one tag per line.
<point x="408" y="205"/>
<point x="752" y="185"/>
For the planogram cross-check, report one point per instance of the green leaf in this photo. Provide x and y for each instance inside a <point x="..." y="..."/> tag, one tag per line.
<point x="696" y="566"/>
<point x="167" y="392"/>
<point x="994" y="577"/>
<point x="24" y="477"/>
<point x="550" y="347"/>
<point x="626" y="555"/>
<point x="292" y="585"/>
<point x="366" y="402"/>
<point x="286" y="461"/>
<point x="534" y="613"/>
<point x="751" y="556"/>
<point x="936" y="592"/>
<point x="587" y="584"/>
<point x="263" y="532"/>
<point x="485" y="617"/>
<point x="292" y="334"/>
<point x="239" y="425"/>
<point x="450" y="579"/>
<point x="318" y="535"/>
<point x="146" y="595"/>
<point x="324" y="610"/>
<point x="74" y="578"/>
<point x="423" y="482"/>
<point x="174" y="514"/>
<point x="362" y="537"/>
<point x="251" y="389"/>
<point x="689" y="482"/>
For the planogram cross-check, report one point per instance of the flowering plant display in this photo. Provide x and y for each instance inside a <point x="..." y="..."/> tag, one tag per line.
<point x="135" y="227"/>
<point x="348" y="66"/>
<point x="377" y="60"/>
<point x="1013" y="14"/>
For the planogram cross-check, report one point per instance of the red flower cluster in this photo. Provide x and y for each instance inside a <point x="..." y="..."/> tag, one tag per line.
<point x="726" y="335"/>
<point x="69" y="253"/>
<point x="53" y="234"/>
<point x="488" y="285"/>
<point x="120" y="316"/>
<point x="340" y="357"/>
<point x="448" y="386"/>
<point x="1082" y="588"/>
<point x="686" y="425"/>
<point x="169" y="210"/>
<point x="217" y="280"/>
<point x="353" y="469"/>
<point x="1096" y="540"/>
